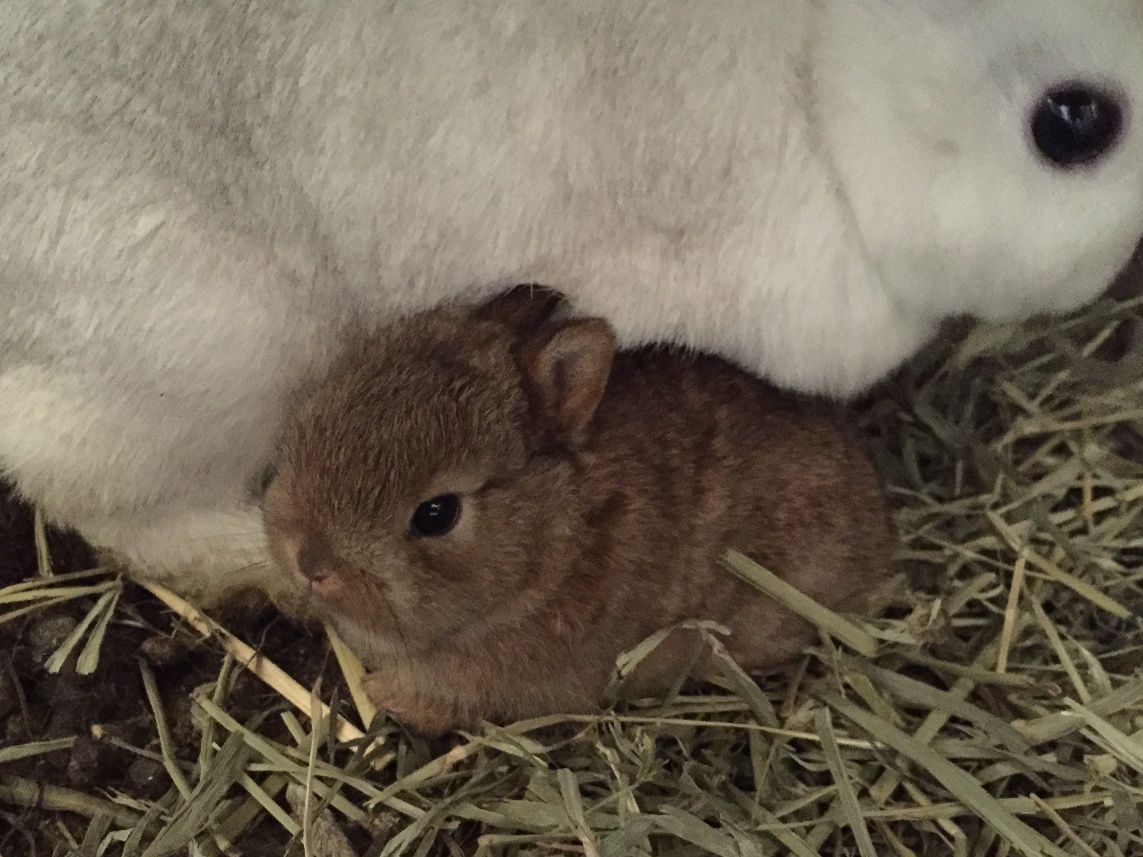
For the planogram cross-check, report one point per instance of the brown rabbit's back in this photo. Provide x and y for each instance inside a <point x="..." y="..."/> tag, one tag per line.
<point x="690" y="456"/>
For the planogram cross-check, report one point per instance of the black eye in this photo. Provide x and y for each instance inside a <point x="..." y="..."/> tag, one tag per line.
<point x="1075" y="125"/>
<point x="437" y="516"/>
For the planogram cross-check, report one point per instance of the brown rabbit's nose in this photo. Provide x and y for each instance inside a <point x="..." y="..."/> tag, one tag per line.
<point x="313" y="561"/>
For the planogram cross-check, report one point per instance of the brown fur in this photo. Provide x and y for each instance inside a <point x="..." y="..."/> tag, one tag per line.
<point x="596" y="506"/>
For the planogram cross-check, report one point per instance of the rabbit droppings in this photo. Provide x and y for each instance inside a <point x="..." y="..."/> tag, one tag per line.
<point x="490" y="509"/>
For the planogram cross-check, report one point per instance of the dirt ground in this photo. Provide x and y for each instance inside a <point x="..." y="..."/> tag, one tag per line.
<point x="36" y="705"/>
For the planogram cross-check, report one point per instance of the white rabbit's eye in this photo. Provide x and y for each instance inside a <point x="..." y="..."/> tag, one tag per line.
<point x="1075" y="125"/>
<point x="436" y="517"/>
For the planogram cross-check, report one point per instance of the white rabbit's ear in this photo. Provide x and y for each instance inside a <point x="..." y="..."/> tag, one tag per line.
<point x="567" y="371"/>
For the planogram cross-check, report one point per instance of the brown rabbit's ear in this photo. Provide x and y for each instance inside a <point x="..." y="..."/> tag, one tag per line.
<point x="522" y="309"/>
<point x="567" y="370"/>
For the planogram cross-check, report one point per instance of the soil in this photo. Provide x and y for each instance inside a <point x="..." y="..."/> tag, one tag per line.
<point x="36" y="705"/>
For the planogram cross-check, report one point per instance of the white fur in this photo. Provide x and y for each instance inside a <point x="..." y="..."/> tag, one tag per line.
<point x="199" y="201"/>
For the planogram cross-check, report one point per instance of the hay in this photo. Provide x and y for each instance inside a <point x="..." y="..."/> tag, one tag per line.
<point x="996" y="709"/>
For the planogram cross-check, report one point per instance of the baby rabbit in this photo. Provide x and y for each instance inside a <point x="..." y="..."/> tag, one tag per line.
<point x="490" y="507"/>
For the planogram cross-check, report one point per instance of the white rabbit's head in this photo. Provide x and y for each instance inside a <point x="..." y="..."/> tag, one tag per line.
<point x="991" y="151"/>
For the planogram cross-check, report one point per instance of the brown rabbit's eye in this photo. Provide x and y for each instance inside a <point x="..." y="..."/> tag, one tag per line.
<point x="437" y="516"/>
<point x="1075" y="125"/>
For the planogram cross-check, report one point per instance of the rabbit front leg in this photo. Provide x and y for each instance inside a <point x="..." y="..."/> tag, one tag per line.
<point x="428" y="711"/>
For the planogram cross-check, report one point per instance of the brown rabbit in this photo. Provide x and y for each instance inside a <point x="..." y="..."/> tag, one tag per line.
<point x="490" y="507"/>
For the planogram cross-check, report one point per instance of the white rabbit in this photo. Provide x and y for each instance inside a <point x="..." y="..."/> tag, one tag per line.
<point x="201" y="200"/>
